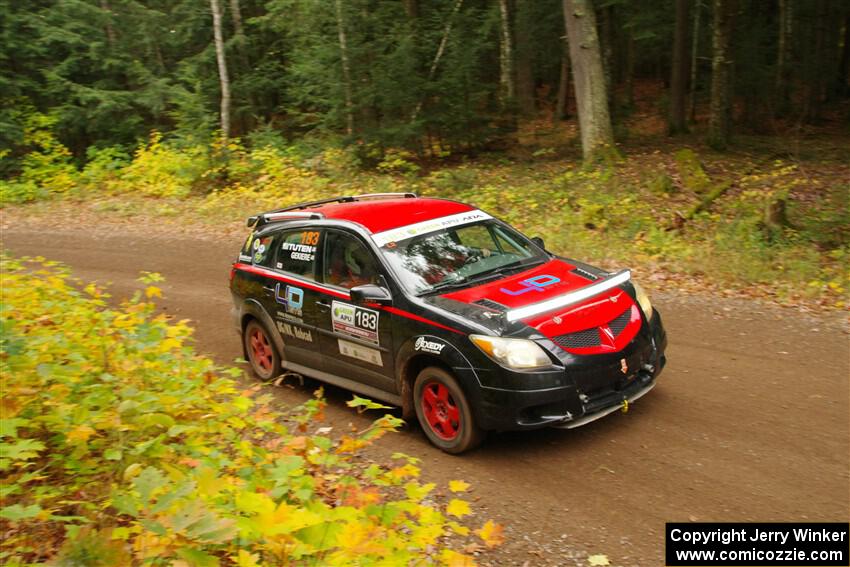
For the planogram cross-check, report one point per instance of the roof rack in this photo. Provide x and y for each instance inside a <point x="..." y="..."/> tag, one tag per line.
<point x="291" y="211"/>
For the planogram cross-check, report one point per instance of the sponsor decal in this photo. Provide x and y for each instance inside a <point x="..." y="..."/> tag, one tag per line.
<point x="244" y="258"/>
<point x="537" y="283"/>
<point x="294" y="331"/>
<point x="302" y="252"/>
<point x="425" y="227"/>
<point x="292" y="299"/>
<point x="366" y="354"/>
<point x="425" y="345"/>
<point x="355" y="321"/>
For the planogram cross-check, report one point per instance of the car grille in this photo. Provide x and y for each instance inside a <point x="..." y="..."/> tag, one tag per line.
<point x="619" y="324"/>
<point x="590" y="337"/>
<point x="581" y="339"/>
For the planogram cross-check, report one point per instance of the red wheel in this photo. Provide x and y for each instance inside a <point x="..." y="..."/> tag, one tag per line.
<point x="444" y="413"/>
<point x="265" y="362"/>
<point x="440" y="411"/>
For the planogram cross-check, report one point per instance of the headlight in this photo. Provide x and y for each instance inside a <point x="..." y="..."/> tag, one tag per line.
<point x="513" y="353"/>
<point x="643" y="300"/>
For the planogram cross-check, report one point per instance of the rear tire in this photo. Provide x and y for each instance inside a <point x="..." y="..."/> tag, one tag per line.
<point x="261" y="352"/>
<point x="444" y="412"/>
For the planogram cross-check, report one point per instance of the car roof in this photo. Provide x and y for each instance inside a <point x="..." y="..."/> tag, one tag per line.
<point x="386" y="214"/>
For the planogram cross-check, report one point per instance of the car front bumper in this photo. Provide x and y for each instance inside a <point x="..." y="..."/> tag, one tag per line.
<point x="589" y="389"/>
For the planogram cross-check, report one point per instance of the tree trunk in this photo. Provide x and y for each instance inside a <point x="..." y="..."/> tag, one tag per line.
<point x="440" y="50"/>
<point x="781" y="80"/>
<point x="236" y="15"/>
<point x="524" y="58"/>
<point x="506" y="57"/>
<point x="411" y="8"/>
<point x="110" y="31"/>
<point x="843" y="84"/>
<point x="721" y="75"/>
<point x="692" y="99"/>
<point x="222" y="69"/>
<point x="679" y="72"/>
<point x="606" y="44"/>
<point x="629" y="70"/>
<point x="346" y="70"/>
<point x="597" y="137"/>
<point x="815" y="86"/>
<point x="561" y="112"/>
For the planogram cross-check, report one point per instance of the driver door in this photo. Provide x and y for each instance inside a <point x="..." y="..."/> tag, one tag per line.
<point x="356" y="341"/>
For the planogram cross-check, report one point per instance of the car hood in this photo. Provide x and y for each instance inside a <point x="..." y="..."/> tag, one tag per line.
<point x="557" y="277"/>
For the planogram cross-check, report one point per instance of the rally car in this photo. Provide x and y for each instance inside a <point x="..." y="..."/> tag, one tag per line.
<point x="437" y="307"/>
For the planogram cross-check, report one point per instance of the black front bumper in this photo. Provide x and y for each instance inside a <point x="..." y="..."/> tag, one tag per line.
<point x="589" y="387"/>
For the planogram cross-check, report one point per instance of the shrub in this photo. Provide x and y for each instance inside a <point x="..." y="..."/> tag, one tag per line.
<point x="161" y="170"/>
<point x="119" y="444"/>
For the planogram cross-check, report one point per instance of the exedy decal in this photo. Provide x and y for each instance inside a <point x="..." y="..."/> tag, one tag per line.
<point x="537" y="283"/>
<point x="425" y="345"/>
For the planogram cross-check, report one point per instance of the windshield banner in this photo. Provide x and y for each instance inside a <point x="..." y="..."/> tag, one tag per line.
<point x="433" y="225"/>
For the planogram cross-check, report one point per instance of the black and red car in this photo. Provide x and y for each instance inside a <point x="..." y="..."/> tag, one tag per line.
<point x="438" y="307"/>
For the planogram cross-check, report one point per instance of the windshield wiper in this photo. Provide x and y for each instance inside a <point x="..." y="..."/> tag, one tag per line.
<point x="444" y="285"/>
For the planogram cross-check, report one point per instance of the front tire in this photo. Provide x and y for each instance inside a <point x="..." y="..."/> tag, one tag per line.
<point x="262" y="354"/>
<point x="444" y="412"/>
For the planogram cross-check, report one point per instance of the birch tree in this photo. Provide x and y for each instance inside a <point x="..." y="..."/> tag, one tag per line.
<point x="507" y="90"/>
<point x="222" y="69"/>
<point x="346" y="69"/>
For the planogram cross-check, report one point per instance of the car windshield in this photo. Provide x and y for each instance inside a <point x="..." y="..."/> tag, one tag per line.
<point x="460" y="256"/>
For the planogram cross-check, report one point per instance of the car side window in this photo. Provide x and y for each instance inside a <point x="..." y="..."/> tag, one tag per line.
<point x="296" y="252"/>
<point x="260" y="249"/>
<point x="348" y="262"/>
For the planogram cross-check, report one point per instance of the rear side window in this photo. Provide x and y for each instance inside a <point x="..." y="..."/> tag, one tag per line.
<point x="259" y="249"/>
<point x="297" y="252"/>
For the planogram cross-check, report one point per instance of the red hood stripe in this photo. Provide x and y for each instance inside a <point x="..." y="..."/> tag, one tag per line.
<point x="396" y="311"/>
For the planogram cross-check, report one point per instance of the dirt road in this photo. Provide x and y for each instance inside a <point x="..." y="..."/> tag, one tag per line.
<point x="750" y="420"/>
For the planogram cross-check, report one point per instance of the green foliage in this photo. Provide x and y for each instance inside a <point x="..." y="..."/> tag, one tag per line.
<point x="119" y="444"/>
<point x="691" y="172"/>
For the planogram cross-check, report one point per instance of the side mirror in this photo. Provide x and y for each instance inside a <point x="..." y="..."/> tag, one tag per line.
<point x="539" y="241"/>
<point x="370" y="293"/>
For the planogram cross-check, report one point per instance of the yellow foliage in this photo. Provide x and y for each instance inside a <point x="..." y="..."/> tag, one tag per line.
<point x="459" y="508"/>
<point x="491" y="533"/>
<point x="134" y="432"/>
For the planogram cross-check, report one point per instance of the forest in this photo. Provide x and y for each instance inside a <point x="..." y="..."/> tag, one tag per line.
<point x="705" y="144"/>
<point x="425" y="76"/>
